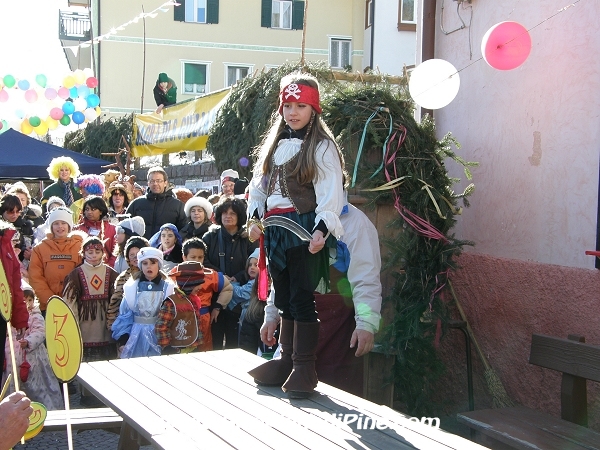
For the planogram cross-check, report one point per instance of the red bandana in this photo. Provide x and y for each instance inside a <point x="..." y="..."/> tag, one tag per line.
<point x="299" y="93"/>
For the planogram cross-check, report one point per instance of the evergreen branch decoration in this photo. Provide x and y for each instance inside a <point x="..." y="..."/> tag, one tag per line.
<point x="417" y="183"/>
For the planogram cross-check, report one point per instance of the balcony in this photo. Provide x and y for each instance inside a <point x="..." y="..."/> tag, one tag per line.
<point x="73" y="26"/>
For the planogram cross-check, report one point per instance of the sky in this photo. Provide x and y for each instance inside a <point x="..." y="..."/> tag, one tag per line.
<point x="30" y="46"/>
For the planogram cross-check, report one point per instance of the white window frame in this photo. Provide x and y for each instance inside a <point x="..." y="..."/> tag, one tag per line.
<point x="191" y="10"/>
<point x="229" y="65"/>
<point x="280" y="14"/>
<point x="206" y="86"/>
<point x="369" y="14"/>
<point x="414" y="19"/>
<point x="339" y="39"/>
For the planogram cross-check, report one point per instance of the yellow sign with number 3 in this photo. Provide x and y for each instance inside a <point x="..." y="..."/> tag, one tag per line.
<point x="5" y="296"/>
<point x="63" y="340"/>
<point x="36" y="420"/>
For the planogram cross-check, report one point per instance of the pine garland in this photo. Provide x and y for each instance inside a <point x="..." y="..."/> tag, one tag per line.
<point x="419" y="264"/>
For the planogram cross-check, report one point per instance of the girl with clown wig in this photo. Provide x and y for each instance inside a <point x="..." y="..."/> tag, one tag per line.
<point x="62" y="170"/>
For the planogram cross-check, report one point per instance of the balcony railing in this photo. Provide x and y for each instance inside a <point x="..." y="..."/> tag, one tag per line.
<point x="73" y="26"/>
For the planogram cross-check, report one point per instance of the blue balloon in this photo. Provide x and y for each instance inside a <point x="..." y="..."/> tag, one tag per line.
<point x="83" y="91"/>
<point x="68" y="108"/>
<point x="93" y="100"/>
<point x="23" y="85"/>
<point x="73" y="93"/>
<point x="78" y="117"/>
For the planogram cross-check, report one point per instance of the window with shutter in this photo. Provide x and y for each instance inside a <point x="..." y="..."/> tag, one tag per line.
<point x="197" y="11"/>
<point x="282" y="14"/>
<point x="340" y="53"/>
<point x="179" y="11"/>
<point x="297" y="15"/>
<point x="194" y="78"/>
<point x="265" y="13"/>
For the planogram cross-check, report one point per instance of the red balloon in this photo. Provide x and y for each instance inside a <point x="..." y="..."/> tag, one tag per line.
<point x="506" y="45"/>
<point x="91" y="82"/>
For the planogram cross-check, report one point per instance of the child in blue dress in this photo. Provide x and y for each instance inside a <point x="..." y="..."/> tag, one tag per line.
<point x="143" y="296"/>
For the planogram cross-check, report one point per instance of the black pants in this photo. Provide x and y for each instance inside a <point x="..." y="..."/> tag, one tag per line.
<point x="296" y="283"/>
<point x="226" y="327"/>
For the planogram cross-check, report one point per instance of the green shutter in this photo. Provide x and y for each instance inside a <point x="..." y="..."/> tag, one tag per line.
<point x="195" y="74"/>
<point x="297" y="15"/>
<point x="266" y="12"/>
<point x="179" y="11"/>
<point x="212" y="11"/>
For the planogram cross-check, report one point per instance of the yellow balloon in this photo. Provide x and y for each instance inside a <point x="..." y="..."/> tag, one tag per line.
<point x="69" y="82"/>
<point x="41" y="129"/>
<point x="5" y="297"/>
<point x="79" y="76"/>
<point x="63" y="340"/>
<point x="26" y="127"/>
<point x="51" y="123"/>
<point x="98" y="111"/>
<point x="36" y="420"/>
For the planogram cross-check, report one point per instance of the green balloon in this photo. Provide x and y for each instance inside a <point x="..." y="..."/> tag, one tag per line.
<point x="9" y="81"/>
<point x="34" y="121"/>
<point x="41" y="80"/>
<point x="65" y="120"/>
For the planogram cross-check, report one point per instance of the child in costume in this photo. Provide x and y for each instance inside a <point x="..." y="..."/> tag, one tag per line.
<point x="168" y="240"/>
<point x="178" y="328"/>
<point x="87" y="185"/>
<point x="144" y="294"/>
<point x="299" y="174"/>
<point x="253" y="316"/>
<point x="131" y="226"/>
<point x="36" y="376"/>
<point x="62" y="170"/>
<point x="94" y="222"/>
<point x="88" y="289"/>
<point x="242" y="292"/>
<point x="194" y="249"/>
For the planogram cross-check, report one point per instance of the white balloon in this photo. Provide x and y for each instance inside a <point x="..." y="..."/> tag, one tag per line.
<point x="80" y="104"/>
<point x="434" y="83"/>
<point x="90" y="114"/>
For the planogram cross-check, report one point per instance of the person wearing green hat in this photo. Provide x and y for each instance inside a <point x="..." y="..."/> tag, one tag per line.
<point x="165" y="92"/>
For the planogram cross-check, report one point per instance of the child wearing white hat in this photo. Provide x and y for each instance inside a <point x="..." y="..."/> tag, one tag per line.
<point x="199" y="211"/>
<point x="55" y="256"/>
<point x="143" y="296"/>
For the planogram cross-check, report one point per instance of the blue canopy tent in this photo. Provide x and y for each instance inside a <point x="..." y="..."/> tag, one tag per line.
<point x="24" y="157"/>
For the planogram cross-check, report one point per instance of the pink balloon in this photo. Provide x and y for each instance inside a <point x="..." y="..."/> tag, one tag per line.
<point x="91" y="82"/>
<point x="31" y="96"/>
<point x="3" y="96"/>
<point x="506" y="45"/>
<point x="56" y="113"/>
<point x="50" y="93"/>
<point x="63" y="93"/>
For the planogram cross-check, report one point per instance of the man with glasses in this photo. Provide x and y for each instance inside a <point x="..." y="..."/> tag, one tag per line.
<point x="159" y="205"/>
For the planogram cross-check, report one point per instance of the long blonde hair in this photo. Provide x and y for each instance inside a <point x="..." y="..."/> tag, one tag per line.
<point x="307" y="168"/>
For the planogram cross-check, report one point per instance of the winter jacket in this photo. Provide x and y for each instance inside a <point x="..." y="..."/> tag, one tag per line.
<point x="237" y="249"/>
<point x="12" y="268"/>
<point x="188" y="231"/>
<point x="55" y="189"/>
<point x="158" y="209"/>
<point x="51" y="261"/>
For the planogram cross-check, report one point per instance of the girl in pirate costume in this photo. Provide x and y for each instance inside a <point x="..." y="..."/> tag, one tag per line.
<point x="299" y="174"/>
<point x="144" y="294"/>
<point x="88" y="289"/>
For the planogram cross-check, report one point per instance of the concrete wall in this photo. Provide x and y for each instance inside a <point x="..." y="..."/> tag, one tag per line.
<point x="534" y="131"/>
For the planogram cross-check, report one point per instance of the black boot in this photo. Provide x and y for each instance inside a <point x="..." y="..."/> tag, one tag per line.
<point x="303" y="379"/>
<point x="276" y="371"/>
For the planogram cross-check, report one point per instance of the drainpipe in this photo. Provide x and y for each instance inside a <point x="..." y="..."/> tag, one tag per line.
<point x="428" y="38"/>
<point x="371" y="64"/>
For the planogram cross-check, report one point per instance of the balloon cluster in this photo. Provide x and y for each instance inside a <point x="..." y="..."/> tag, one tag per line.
<point x="39" y="107"/>
<point x="435" y="82"/>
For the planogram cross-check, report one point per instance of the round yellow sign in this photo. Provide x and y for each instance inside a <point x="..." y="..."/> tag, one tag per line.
<point x="63" y="339"/>
<point x="5" y="296"/>
<point x="36" y="420"/>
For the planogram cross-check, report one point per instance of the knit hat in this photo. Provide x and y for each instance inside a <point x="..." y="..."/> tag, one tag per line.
<point x="148" y="253"/>
<point x="229" y="175"/>
<point x="133" y="226"/>
<point x="137" y="242"/>
<point x="163" y="78"/>
<point x="25" y="287"/>
<point x="61" y="213"/>
<point x="188" y="275"/>
<point x="201" y="202"/>
<point x="155" y="239"/>
<point x="54" y="200"/>
<point x="255" y="253"/>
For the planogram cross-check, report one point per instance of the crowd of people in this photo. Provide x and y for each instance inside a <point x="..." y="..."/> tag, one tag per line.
<point x="168" y="271"/>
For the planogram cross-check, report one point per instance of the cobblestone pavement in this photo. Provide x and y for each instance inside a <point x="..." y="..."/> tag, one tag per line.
<point x="83" y="440"/>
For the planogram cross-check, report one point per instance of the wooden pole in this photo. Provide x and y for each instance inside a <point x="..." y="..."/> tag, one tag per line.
<point x="302" y="60"/>
<point x="143" y="61"/>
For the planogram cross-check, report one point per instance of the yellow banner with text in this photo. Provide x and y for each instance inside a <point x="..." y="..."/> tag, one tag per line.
<point x="177" y="128"/>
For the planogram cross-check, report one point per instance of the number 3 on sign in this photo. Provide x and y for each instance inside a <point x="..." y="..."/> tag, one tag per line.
<point x="63" y="340"/>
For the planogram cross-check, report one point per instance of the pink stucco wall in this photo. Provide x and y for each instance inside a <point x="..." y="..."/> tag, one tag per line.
<point x="505" y="301"/>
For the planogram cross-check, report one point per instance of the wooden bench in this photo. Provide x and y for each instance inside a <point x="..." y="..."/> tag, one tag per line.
<point x="84" y="419"/>
<point x="524" y="428"/>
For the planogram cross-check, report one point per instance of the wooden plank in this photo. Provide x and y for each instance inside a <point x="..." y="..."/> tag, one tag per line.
<point x="401" y="434"/>
<point x="525" y="429"/>
<point x="196" y="401"/>
<point x="575" y="358"/>
<point x="82" y="419"/>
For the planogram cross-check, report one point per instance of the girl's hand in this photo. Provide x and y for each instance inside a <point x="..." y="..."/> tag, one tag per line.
<point x="254" y="232"/>
<point x="317" y="242"/>
<point x="23" y="343"/>
<point x="214" y="314"/>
